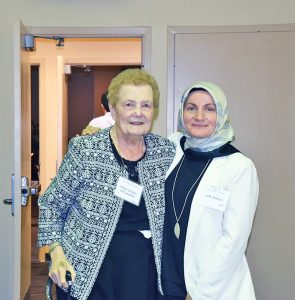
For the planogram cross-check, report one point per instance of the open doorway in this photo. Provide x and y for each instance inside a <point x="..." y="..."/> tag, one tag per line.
<point x="34" y="156"/>
<point x="86" y="85"/>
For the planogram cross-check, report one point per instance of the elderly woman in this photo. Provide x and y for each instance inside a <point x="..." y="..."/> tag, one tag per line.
<point x="102" y="216"/>
<point x="211" y="197"/>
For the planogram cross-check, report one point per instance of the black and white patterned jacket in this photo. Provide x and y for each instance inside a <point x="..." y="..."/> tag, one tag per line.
<point x="79" y="208"/>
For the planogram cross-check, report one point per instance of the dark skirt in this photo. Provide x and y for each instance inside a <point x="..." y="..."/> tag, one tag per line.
<point x="128" y="271"/>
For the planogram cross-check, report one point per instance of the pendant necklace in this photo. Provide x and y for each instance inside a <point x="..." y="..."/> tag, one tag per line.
<point x="177" y="226"/>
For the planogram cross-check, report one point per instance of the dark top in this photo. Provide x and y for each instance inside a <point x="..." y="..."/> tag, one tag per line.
<point x="173" y="249"/>
<point x="132" y="217"/>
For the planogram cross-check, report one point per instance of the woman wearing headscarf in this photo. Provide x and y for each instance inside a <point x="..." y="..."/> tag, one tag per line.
<point x="102" y="216"/>
<point x="211" y="196"/>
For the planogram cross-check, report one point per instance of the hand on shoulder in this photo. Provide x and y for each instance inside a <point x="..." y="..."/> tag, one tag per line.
<point x="90" y="130"/>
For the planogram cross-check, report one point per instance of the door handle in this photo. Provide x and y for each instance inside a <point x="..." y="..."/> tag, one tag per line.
<point x="7" y="201"/>
<point x="11" y="201"/>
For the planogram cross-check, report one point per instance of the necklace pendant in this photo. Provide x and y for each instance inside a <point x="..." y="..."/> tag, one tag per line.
<point x="177" y="230"/>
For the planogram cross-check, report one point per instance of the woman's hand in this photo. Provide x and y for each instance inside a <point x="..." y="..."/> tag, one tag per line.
<point x="59" y="266"/>
<point x="90" y="130"/>
<point x="188" y="297"/>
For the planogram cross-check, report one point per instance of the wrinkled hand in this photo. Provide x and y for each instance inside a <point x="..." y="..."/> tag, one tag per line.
<point x="188" y="297"/>
<point x="59" y="266"/>
<point x="90" y="130"/>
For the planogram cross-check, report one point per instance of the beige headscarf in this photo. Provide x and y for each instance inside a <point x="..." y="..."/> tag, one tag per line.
<point x="223" y="132"/>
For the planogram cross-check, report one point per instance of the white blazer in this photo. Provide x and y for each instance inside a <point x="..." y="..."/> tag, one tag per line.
<point x="215" y="266"/>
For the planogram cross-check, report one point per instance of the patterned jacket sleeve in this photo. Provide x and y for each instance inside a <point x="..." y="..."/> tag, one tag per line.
<point x="58" y="198"/>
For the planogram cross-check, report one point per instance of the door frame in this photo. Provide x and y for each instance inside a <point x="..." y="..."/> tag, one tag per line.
<point x="144" y="32"/>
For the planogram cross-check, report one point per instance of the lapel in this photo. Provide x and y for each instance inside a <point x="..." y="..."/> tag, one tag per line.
<point x="176" y="160"/>
<point x="175" y="138"/>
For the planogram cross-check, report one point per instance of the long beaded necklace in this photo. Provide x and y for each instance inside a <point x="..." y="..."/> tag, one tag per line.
<point x="177" y="226"/>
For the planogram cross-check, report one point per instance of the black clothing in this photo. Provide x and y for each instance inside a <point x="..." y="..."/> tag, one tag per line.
<point x="128" y="271"/>
<point x="132" y="217"/>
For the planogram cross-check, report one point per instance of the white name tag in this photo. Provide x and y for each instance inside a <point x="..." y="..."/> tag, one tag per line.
<point x="128" y="190"/>
<point x="214" y="197"/>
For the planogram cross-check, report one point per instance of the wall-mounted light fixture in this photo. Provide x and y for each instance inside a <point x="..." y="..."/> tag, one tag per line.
<point x="29" y="41"/>
<point x="60" y="41"/>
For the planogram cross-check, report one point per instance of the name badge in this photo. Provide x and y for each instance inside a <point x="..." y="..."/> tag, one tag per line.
<point x="214" y="197"/>
<point x="128" y="190"/>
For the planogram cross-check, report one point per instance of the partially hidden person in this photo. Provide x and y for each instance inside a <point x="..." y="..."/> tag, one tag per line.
<point x="101" y="122"/>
